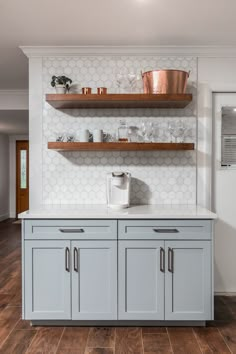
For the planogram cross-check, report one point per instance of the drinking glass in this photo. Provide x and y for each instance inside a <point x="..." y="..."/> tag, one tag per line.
<point x="171" y="129"/>
<point x="121" y="79"/>
<point x="143" y="131"/>
<point x="149" y="131"/>
<point x="70" y="138"/>
<point x="155" y="132"/>
<point x="181" y="130"/>
<point x="60" y="137"/>
<point x="132" y="77"/>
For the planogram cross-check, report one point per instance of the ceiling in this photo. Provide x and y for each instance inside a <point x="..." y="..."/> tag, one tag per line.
<point x="107" y="22"/>
<point x="14" y="122"/>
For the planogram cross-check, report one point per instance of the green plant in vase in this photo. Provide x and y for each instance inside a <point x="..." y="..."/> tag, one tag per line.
<point x="61" y="83"/>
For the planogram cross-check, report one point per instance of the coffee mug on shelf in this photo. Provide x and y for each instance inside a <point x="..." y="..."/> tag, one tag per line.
<point x="101" y="90"/>
<point x="84" y="136"/>
<point x="99" y="136"/>
<point x="86" y="90"/>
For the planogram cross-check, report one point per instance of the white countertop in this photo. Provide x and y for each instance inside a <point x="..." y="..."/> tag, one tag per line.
<point x="158" y="211"/>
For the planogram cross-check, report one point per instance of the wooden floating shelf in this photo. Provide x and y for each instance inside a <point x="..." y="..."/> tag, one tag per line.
<point x="142" y="100"/>
<point x="118" y="146"/>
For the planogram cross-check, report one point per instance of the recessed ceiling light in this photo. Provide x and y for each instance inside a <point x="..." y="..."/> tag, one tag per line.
<point x="234" y="109"/>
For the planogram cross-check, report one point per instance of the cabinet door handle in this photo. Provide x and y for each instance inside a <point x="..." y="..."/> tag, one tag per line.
<point x="71" y="231"/>
<point x="170" y="260"/>
<point x="162" y="260"/>
<point x="67" y="259"/>
<point x="76" y="260"/>
<point x="166" y="231"/>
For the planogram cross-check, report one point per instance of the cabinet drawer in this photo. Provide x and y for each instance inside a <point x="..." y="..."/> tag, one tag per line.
<point x="71" y="229"/>
<point x="164" y="229"/>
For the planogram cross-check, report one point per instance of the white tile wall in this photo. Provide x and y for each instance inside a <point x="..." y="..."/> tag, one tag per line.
<point x="80" y="177"/>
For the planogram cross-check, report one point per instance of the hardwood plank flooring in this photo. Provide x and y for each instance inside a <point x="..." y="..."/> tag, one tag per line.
<point x="211" y="341"/>
<point x="183" y="341"/>
<point x="46" y="340"/>
<point x="156" y="343"/>
<point x="19" y="337"/>
<point x="103" y="337"/>
<point x="74" y="338"/>
<point x="17" y="342"/>
<point x="128" y="340"/>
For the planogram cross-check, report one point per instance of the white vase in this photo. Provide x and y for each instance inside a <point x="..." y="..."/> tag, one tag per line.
<point x="60" y="89"/>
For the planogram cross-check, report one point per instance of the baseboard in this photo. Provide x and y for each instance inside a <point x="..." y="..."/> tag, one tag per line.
<point x="118" y="323"/>
<point x="4" y="217"/>
<point x="12" y="215"/>
<point x="224" y="293"/>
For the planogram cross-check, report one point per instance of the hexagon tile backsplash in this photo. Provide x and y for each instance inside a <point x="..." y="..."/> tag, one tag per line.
<point x="158" y="177"/>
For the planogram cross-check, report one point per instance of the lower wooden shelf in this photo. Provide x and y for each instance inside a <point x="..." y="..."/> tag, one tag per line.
<point x="118" y="146"/>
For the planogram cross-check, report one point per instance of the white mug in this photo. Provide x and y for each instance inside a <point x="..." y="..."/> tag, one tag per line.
<point x="84" y="135"/>
<point x="97" y="136"/>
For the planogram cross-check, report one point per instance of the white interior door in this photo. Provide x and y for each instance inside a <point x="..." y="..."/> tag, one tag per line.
<point x="224" y="204"/>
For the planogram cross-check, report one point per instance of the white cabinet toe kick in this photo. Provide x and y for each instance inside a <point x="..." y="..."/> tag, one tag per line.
<point x="117" y="272"/>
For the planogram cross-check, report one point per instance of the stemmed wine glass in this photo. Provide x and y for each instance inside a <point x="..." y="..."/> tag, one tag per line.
<point x="181" y="130"/>
<point x="143" y="131"/>
<point x="149" y="131"/>
<point x="121" y="79"/>
<point x="132" y="77"/>
<point x="171" y="129"/>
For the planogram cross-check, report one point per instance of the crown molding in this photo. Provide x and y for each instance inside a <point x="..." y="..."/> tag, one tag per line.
<point x="20" y="92"/>
<point x="196" y="51"/>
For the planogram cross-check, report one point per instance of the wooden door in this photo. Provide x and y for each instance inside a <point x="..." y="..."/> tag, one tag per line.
<point x="22" y="176"/>
<point x="47" y="280"/>
<point x="94" y="280"/>
<point x="188" y="285"/>
<point x="141" y="280"/>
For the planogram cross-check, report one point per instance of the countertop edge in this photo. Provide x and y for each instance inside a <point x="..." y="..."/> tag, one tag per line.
<point x="145" y="212"/>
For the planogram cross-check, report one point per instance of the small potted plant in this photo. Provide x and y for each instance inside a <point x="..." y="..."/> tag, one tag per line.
<point x="61" y="83"/>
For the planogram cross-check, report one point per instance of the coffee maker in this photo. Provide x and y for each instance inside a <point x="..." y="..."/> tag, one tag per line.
<point x="118" y="190"/>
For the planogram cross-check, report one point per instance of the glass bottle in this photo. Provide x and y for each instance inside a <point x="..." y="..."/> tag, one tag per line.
<point x="123" y="131"/>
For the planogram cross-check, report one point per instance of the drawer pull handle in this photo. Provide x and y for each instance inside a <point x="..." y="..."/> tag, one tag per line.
<point x="166" y="231"/>
<point x="162" y="260"/>
<point x="67" y="259"/>
<point x="170" y="260"/>
<point x="76" y="260"/>
<point x="72" y="230"/>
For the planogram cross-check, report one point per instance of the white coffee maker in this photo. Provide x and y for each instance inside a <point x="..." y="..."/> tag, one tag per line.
<point x="118" y="190"/>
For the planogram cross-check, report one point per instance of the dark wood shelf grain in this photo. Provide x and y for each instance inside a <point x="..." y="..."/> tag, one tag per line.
<point x="139" y="100"/>
<point x="119" y="146"/>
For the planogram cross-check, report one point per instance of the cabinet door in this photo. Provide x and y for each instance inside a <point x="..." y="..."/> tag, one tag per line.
<point x="94" y="280"/>
<point x="47" y="280"/>
<point x="188" y="280"/>
<point x="141" y="280"/>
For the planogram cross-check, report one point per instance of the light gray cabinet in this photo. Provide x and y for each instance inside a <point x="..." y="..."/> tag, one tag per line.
<point x="47" y="280"/>
<point x="141" y="280"/>
<point x="156" y="270"/>
<point x="188" y="285"/>
<point x="94" y="280"/>
<point x="179" y="290"/>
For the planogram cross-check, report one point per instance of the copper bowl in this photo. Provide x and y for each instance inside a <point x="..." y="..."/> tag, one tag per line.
<point x="165" y="81"/>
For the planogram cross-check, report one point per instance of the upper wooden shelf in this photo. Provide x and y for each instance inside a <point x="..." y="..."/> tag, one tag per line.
<point x="135" y="100"/>
<point x="119" y="146"/>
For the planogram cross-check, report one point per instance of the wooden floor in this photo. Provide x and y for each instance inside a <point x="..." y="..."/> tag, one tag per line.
<point x="16" y="336"/>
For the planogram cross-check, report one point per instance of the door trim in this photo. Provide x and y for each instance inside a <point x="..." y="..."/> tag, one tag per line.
<point x="17" y="174"/>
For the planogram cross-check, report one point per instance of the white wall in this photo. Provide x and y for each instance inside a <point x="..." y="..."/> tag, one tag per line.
<point x="12" y="172"/>
<point x="219" y="75"/>
<point x="215" y="73"/>
<point x="4" y="177"/>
